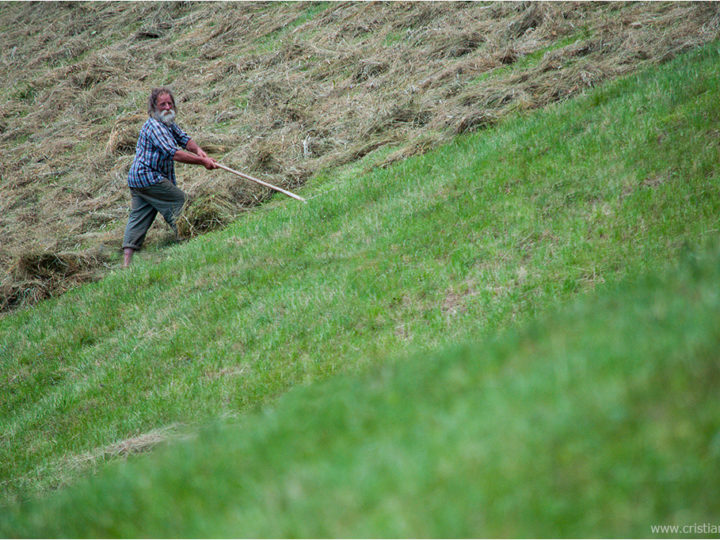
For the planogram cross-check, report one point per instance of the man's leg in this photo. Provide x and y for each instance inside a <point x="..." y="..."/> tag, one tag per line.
<point x="169" y="200"/>
<point x="142" y="215"/>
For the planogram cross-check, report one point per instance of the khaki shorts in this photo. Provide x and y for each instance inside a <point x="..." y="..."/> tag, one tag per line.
<point x="163" y="197"/>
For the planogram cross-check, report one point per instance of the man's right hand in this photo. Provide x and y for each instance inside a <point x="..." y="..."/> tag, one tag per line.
<point x="209" y="163"/>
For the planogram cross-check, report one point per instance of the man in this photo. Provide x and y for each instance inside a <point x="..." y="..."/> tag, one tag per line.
<point x="152" y="175"/>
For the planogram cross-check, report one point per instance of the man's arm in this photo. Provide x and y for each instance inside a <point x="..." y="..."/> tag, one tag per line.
<point x="193" y="147"/>
<point x="195" y="156"/>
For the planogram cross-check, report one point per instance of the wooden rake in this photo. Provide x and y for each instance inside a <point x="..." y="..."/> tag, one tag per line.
<point x="248" y="177"/>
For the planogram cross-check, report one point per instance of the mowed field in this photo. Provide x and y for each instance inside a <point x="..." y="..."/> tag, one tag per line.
<point x="282" y="91"/>
<point x="301" y="368"/>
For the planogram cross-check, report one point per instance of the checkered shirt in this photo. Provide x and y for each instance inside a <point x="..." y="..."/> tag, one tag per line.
<point x="154" y="153"/>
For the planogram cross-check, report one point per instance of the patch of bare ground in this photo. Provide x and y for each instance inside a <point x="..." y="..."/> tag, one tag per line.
<point x="280" y="91"/>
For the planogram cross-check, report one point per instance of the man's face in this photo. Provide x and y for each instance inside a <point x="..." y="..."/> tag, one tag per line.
<point x="164" y="109"/>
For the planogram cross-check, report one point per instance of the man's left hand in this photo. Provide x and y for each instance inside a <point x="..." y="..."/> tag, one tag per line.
<point x="193" y="147"/>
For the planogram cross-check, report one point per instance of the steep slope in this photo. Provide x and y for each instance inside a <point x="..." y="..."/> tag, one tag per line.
<point x="602" y="421"/>
<point x="282" y="90"/>
<point x="455" y="245"/>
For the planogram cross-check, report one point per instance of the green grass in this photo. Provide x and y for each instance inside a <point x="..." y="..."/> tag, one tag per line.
<point x="394" y="37"/>
<point x="600" y="421"/>
<point x="493" y="229"/>
<point x="25" y="92"/>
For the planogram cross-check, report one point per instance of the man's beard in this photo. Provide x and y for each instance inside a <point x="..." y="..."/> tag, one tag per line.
<point x="166" y="117"/>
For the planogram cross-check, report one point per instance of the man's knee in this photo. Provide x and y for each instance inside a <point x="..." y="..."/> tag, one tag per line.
<point x="180" y="203"/>
<point x="179" y="199"/>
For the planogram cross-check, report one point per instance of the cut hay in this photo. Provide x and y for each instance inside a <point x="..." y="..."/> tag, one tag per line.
<point x="37" y="275"/>
<point x="44" y="265"/>
<point x="122" y="449"/>
<point x="141" y="443"/>
<point x="214" y="205"/>
<point x="124" y="134"/>
<point x="204" y="213"/>
<point x="281" y="90"/>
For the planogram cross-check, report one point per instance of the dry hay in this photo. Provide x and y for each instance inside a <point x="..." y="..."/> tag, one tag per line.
<point x="139" y="444"/>
<point x="211" y="208"/>
<point x="142" y="443"/>
<point x="37" y="275"/>
<point x="46" y="264"/>
<point x="124" y="134"/>
<point x="278" y="94"/>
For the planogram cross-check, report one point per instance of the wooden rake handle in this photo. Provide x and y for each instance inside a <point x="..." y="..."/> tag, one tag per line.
<point x="248" y="177"/>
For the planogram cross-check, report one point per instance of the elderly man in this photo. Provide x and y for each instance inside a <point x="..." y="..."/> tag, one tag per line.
<point x="152" y="174"/>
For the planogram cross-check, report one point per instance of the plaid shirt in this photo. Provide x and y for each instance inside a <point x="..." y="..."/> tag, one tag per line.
<point x="154" y="153"/>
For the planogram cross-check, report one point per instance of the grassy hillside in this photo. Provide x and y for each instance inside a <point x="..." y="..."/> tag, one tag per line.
<point x="456" y="245"/>
<point x="281" y="90"/>
<point x="602" y="421"/>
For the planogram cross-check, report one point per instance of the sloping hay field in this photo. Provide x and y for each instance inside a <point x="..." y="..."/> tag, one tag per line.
<point x="281" y="91"/>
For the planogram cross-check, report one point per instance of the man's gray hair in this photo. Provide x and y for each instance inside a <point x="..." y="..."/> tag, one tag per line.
<point x="155" y="94"/>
